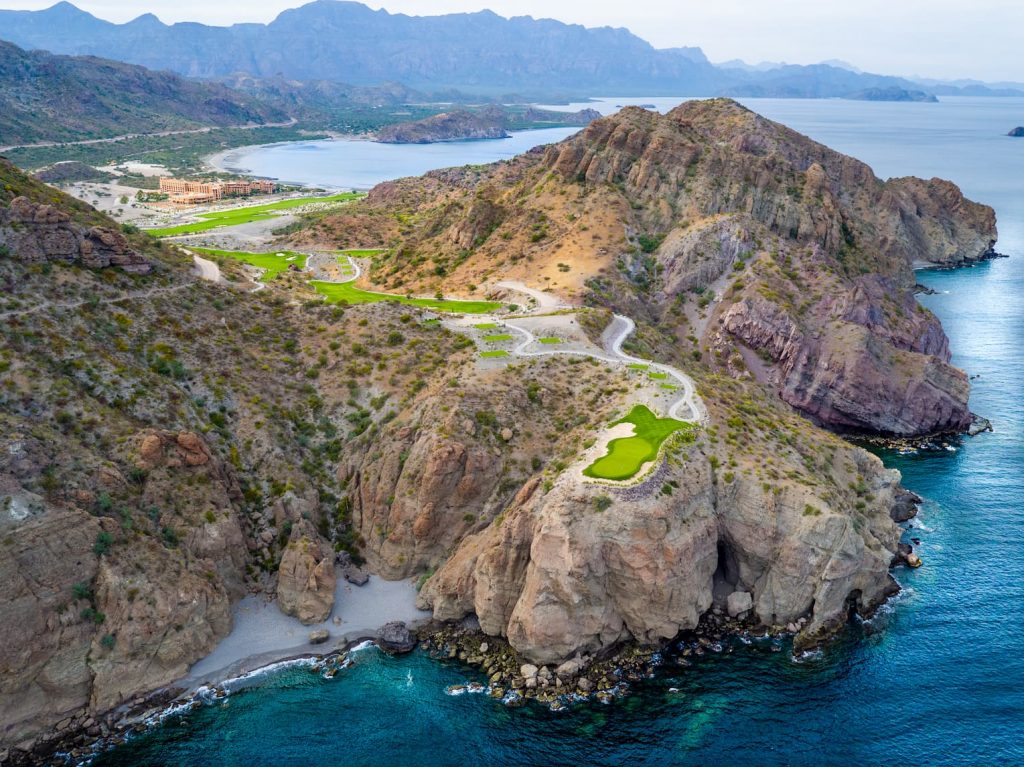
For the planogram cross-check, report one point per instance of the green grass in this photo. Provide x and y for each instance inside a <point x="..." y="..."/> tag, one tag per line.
<point x="550" y="340"/>
<point x="237" y="216"/>
<point x="627" y="455"/>
<point x="494" y="353"/>
<point x="669" y="387"/>
<point x="486" y="326"/>
<point x="337" y="292"/>
<point x="498" y="337"/>
<point x="637" y="366"/>
<point x="272" y="263"/>
<point x="657" y="376"/>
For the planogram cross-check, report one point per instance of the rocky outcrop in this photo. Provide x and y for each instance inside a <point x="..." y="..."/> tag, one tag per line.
<point x="40" y="233"/>
<point x="449" y="126"/>
<point x="418" y="493"/>
<point x="558" y="576"/>
<point x="865" y="373"/>
<point x="306" y="579"/>
<point x="1017" y="132"/>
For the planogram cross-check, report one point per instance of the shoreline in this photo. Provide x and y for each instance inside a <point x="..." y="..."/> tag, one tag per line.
<point x="262" y="640"/>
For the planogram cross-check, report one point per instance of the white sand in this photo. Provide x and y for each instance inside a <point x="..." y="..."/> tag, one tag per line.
<point x="262" y="634"/>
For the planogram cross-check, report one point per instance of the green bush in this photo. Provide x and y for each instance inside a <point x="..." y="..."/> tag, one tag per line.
<point x="103" y="543"/>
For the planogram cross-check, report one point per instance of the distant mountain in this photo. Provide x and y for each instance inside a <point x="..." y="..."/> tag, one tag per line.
<point x="349" y="42"/>
<point x="814" y="81"/>
<point x="476" y="53"/>
<point x="61" y="98"/>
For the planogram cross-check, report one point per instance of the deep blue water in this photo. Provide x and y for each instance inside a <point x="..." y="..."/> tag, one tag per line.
<point x="937" y="678"/>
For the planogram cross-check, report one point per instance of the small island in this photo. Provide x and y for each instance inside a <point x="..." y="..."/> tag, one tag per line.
<point x="1017" y="132"/>
<point x="489" y="123"/>
<point x="892" y="94"/>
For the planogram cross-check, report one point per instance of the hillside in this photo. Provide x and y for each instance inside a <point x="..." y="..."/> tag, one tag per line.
<point x="60" y="98"/>
<point x="745" y="245"/>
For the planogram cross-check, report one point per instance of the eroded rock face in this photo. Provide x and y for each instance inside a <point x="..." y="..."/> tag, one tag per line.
<point x="41" y="233"/>
<point x="412" y="497"/>
<point x="306" y="580"/>
<point x="558" y="577"/>
<point x="44" y="669"/>
<point x="863" y="373"/>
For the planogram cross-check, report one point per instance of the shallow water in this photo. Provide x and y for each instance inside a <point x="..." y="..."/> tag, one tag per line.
<point x="937" y="678"/>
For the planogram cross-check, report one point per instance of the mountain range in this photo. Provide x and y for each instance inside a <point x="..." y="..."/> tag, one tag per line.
<point x="480" y="53"/>
<point x="44" y="97"/>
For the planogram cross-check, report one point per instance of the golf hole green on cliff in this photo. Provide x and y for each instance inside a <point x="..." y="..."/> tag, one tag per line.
<point x="627" y="455"/>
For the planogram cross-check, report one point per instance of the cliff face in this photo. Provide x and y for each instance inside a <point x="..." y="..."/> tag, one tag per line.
<point x="43" y="234"/>
<point x="785" y="260"/>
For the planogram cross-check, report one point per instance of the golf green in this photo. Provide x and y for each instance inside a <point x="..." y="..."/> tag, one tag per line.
<point x="627" y="455"/>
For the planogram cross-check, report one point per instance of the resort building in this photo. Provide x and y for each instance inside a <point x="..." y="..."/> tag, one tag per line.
<point x="184" y="192"/>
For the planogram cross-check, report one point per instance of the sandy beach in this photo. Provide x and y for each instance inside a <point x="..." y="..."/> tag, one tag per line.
<point x="262" y="634"/>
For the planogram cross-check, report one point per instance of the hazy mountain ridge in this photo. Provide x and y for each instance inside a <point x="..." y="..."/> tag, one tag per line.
<point x="477" y="52"/>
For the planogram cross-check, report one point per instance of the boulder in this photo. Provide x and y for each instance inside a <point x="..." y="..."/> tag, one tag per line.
<point x="738" y="603"/>
<point x="395" y="638"/>
<point x="528" y="670"/>
<point x="305" y="579"/>
<point x="319" y="636"/>
<point x="355" y="576"/>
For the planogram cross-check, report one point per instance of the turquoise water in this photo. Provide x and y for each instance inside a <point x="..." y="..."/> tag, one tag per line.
<point x="937" y="678"/>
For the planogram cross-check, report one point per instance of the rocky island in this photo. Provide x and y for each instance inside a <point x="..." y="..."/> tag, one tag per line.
<point x="1017" y="132"/>
<point x="172" y="444"/>
<point x="893" y="93"/>
<point x="488" y="123"/>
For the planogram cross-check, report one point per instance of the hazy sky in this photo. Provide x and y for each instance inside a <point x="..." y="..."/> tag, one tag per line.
<point x="931" y="38"/>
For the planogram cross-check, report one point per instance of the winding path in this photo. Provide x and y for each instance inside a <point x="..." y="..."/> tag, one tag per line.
<point x="614" y="335"/>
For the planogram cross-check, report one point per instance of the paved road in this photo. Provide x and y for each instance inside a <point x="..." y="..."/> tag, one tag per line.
<point x="126" y="136"/>
<point x="687" y="408"/>
<point x="544" y="300"/>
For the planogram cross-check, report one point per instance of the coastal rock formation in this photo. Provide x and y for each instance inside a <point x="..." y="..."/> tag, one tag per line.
<point x="39" y="233"/>
<point x="560" y="576"/>
<point x="306" y="580"/>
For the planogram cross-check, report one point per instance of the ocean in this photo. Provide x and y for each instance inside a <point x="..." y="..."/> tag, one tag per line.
<point x="936" y="678"/>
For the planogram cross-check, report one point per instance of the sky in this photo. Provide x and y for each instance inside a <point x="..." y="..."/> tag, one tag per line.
<point x="928" y="38"/>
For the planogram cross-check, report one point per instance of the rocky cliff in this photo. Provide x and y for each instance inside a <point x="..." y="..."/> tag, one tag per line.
<point x="43" y="234"/>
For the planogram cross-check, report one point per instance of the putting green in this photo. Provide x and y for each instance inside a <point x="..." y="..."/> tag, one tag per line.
<point x="336" y="292"/>
<point x="236" y="216"/>
<point x="550" y="340"/>
<point x="627" y="455"/>
<point x="272" y="263"/>
<point x="494" y="353"/>
<point x="498" y="337"/>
